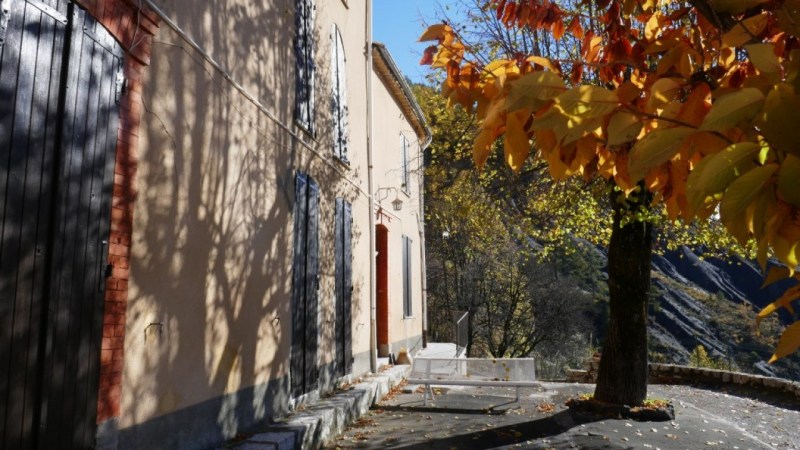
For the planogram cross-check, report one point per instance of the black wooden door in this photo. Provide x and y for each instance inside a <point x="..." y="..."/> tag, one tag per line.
<point x="343" y="253"/>
<point x="305" y="280"/>
<point x="58" y="130"/>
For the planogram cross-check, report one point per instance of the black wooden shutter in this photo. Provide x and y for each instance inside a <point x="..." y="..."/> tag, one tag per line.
<point x="299" y="284"/>
<point x="338" y="254"/>
<point x="348" y="286"/>
<point x="344" y="286"/>
<point x="312" y="286"/>
<point x="407" y="296"/>
<point x="305" y="281"/>
<point x="305" y="68"/>
<point x="30" y="74"/>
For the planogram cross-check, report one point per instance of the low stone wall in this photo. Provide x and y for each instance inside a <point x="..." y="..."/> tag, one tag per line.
<point x="675" y="374"/>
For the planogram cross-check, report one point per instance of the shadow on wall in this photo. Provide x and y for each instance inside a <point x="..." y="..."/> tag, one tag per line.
<point x="209" y="315"/>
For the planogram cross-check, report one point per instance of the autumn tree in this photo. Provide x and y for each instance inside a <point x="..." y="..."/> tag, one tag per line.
<point x="688" y="105"/>
<point x="508" y="273"/>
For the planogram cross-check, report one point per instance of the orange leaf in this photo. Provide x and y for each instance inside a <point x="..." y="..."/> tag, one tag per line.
<point x="558" y="29"/>
<point x="436" y="32"/>
<point x="696" y="106"/>
<point x="482" y="147"/>
<point x="427" y="56"/>
<point x="517" y="146"/>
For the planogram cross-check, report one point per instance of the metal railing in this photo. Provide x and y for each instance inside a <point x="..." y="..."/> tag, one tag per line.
<point x="461" y="326"/>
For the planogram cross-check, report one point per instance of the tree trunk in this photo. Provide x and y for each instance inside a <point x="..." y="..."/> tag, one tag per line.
<point x="622" y="377"/>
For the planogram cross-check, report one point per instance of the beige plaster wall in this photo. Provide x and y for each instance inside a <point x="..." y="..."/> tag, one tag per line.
<point x="389" y="124"/>
<point x="209" y="305"/>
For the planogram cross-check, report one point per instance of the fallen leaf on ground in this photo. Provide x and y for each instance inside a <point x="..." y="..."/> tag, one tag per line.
<point x="546" y="407"/>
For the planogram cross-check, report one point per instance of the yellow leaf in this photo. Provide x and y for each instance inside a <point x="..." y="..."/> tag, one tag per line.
<point x="435" y="32"/>
<point x="732" y="109"/>
<point x="743" y="190"/>
<point x="758" y="214"/>
<point x="786" y="252"/>
<point x="482" y="147"/>
<point x="587" y="101"/>
<point x="724" y="167"/>
<point x="785" y="301"/>
<point x="516" y="145"/>
<point x="448" y="53"/>
<point x="764" y="58"/>
<point x="623" y="127"/>
<point x="727" y="56"/>
<point x="652" y="27"/>
<point x="544" y="62"/>
<point x="790" y="341"/>
<point x="534" y="90"/>
<point x="497" y="67"/>
<point x="656" y="148"/>
<point x="778" y="122"/>
<point x="744" y="31"/>
<point x="663" y="91"/>
<point x="694" y="194"/>
<point x="735" y="6"/>
<point x="789" y="180"/>
<point x="577" y="128"/>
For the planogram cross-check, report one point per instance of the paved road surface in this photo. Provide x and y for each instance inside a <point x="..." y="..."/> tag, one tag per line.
<point x="481" y="418"/>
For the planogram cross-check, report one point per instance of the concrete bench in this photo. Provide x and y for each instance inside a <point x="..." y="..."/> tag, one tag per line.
<point x="489" y="372"/>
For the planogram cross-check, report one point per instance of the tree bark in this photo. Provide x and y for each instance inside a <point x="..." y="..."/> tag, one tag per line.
<point x="623" y="372"/>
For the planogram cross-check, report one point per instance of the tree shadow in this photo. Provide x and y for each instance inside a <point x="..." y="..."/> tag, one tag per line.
<point x="518" y="433"/>
<point x="209" y="319"/>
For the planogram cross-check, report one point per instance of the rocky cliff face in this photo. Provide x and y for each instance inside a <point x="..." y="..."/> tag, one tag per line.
<point x="713" y="303"/>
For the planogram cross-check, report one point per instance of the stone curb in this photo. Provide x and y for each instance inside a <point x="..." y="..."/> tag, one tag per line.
<point x="321" y="421"/>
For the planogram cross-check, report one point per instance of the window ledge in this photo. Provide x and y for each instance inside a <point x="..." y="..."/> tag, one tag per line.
<point x="345" y="163"/>
<point x="409" y="317"/>
<point x="306" y="130"/>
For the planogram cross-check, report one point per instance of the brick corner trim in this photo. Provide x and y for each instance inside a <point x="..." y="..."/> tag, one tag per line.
<point x="133" y="25"/>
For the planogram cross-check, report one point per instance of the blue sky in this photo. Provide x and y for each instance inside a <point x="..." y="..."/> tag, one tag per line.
<point x="398" y="24"/>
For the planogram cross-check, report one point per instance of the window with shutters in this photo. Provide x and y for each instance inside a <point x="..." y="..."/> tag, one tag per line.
<point x="338" y="95"/>
<point x="304" y="56"/>
<point x="405" y="169"/>
<point x="407" y="293"/>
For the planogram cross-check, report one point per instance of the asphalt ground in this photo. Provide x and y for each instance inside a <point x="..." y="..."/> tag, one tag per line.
<point x="484" y="418"/>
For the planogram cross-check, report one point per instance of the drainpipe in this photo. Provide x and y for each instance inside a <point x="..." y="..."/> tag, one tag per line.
<point x="421" y="226"/>
<point x="373" y="332"/>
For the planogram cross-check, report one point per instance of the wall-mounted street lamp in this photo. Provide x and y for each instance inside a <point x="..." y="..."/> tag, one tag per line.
<point x="397" y="204"/>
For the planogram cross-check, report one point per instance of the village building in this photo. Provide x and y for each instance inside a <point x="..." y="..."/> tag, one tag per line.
<point x="213" y="213"/>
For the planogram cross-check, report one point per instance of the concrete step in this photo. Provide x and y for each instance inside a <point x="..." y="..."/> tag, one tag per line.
<point x="318" y="423"/>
